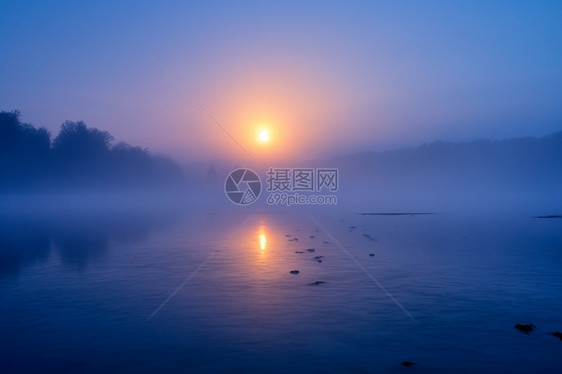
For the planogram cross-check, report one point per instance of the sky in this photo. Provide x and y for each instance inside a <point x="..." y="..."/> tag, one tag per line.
<point x="199" y="80"/>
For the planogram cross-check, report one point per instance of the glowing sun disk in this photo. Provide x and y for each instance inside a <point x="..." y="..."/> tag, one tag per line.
<point x="263" y="135"/>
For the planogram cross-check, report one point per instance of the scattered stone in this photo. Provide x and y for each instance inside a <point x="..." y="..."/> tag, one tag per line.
<point x="294" y="271"/>
<point x="316" y="283"/>
<point x="371" y="255"/>
<point x="525" y="328"/>
<point x="407" y="363"/>
<point x="370" y="237"/>
<point x="557" y="334"/>
<point x="311" y="250"/>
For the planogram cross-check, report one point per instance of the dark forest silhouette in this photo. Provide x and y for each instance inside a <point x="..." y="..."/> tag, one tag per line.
<point x="439" y="173"/>
<point x="78" y="157"/>
<point x="516" y="161"/>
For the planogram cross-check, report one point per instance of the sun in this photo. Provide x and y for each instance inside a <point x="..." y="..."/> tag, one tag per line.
<point x="263" y="135"/>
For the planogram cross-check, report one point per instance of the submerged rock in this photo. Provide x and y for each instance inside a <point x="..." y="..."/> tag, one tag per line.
<point x="370" y="237"/>
<point x="311" y="250"/>
<point x="316" y="283"/>
<point x="325" y="242"/>
<point x="371" y="255"/>
<point x="318" y="258"/>
<point x="299" y="252"/>
<point x="525" y="328"/>
<point x="294" y="271"/>
<point x="311" y="236"/>
<point x="407" y="363"/>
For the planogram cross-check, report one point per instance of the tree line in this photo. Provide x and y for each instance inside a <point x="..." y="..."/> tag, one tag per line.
<point x="78" y="157"/>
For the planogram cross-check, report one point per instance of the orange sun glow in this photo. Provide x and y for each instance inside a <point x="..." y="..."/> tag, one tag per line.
<point x="263" y="135"/>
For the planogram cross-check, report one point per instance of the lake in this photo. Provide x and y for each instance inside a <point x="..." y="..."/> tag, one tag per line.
<point x="210" y="291"/>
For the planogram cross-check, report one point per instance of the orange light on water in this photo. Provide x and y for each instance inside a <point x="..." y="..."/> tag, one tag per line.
<point x="263" y="241"/>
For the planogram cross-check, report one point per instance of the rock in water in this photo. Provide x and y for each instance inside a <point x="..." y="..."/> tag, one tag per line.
<point x="407" y="363"/>
<point x="371" y="255"/>
<point x="318" y="258"/>
<point x="525" y="328"/>
<point x="316" y="283"/>
<point x="311" y="249"/>
<point x="557" y="334"/>
<point x="370" y="237"/>
<point x="294" y="271"/>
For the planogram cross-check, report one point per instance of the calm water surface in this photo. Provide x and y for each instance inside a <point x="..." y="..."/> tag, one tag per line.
<point x="212" y="292"/>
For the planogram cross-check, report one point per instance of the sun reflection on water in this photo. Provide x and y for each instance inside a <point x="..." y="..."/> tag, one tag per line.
<point x="262" y="238"/>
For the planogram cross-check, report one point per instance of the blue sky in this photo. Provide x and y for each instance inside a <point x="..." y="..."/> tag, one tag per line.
<point x="474" y="70"/>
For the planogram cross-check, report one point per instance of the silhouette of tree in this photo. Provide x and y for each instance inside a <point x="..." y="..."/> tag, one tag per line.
<point x="80" y="156"/>
<point x="21" y="138"/>
<point x="75" y="139"/>
<point x="212" y="177"/>
<point x="24" y="150"/>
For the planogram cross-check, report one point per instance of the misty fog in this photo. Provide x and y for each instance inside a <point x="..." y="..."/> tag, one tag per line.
<point x="82" y="168"/>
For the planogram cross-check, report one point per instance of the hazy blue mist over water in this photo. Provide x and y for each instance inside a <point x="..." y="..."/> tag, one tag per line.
<point x="76" y="292"/>
<point x="441" y="121"/>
